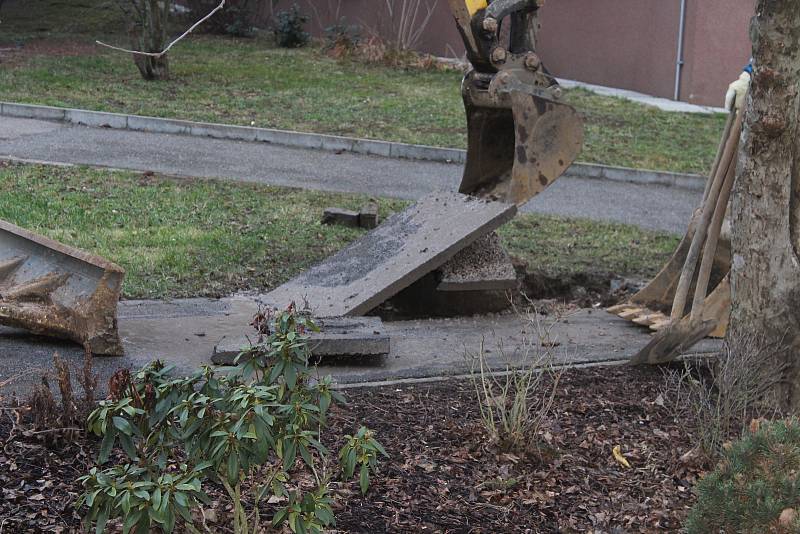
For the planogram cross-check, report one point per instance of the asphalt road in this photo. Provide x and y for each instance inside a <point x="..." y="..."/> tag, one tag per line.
<point x="648" y="206"/>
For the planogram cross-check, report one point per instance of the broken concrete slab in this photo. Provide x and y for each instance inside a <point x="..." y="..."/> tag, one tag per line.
<point x="368" y="216"/>
<point x="338" y="336"/>
<point x="340" y="216"/>
<point x="482" y="266"/>
<point x="406" y="247"/>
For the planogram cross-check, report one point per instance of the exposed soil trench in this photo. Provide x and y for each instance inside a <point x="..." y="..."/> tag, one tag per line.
<point x="579" y="290"/>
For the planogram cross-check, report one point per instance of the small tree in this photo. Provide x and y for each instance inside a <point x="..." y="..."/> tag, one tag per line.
<point x="147" y="28"/>
<point x="765" y="208"/>
<point x="251" y="431"/>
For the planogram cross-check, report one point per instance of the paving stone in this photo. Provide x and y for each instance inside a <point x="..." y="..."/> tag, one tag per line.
<point x="368" y="216"/>
<point x="406" y="247"/>
<point x="339" y="336"/>
<point x="482" y="266"/>
<point x="340" y="216"/>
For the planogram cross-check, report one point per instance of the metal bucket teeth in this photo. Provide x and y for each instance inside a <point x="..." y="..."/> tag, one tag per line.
<point x="58" y="291"/>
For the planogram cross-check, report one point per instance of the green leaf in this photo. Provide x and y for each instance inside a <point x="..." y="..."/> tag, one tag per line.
<point x="375" y="443"/>
<point x="102" y="519"/>
<point x="169" y="520"/>
<point x="156" y="498"/>
<point x="128" y="447"/>
<point x="289" y="453"/>
<point x="202" y="466"/>
<point x="364" y="479"/>
<point x="350" y="463"/>
<point x="306" y="456"/>
<point x="132" y="520"/>
<point x="105" y="446"/>
<point x="279" y="517"/>
<point x="324" y="514"/>
<point x="123" y="425"/>
<point x="324" y="402"/>
<point x="233" y="468"/>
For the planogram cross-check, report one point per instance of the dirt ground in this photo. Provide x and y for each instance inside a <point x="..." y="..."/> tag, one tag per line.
<point x="443" y="475"/>
<point x="12" y="53"/>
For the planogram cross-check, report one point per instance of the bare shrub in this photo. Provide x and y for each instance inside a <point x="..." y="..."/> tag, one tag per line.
<point x="409" y="21"/>
<point x="722" y="399"/>
<point x="331" y="10"/>
<point x="515" y="401"/>
<point x="49" y="414"/>
<point x="88" y="380"/>
<point x="41" y="405"/>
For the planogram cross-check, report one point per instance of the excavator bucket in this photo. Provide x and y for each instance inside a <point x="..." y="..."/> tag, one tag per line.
<point x="58" y="291"/>
<point x="520" y="137"/>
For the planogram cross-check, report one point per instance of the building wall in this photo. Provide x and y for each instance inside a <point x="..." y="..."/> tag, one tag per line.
<point x="630" y="44"/>
<point x="717" y="48"/>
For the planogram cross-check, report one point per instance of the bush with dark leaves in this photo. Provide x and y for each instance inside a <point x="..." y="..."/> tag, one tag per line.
<point x="289" y="28"/>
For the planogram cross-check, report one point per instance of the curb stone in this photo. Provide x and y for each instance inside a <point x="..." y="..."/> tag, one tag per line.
<point x="330" y="143"/>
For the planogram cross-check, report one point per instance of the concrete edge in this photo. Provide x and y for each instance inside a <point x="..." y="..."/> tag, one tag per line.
<point x="411" y="381"/>
<point x="330" y="143"/>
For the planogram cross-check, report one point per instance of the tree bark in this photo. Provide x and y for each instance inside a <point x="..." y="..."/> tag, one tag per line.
<point x="147" y="28"/>
<point x="765" y="275"/>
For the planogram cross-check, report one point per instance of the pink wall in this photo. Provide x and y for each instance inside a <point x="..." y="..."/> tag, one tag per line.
<point x="717" y="47"/>
<point x="619" y="43"/>
<point x="630" y="44"/>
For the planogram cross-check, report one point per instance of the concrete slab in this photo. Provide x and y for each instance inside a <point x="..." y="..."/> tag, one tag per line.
<point x="482" y="266"/>
<point x="406" y="247"/>
<point x="338" y="336"/>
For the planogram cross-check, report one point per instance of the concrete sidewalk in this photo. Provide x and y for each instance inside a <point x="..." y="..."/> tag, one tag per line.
<point x="184" y="333"/>
<point x="649" y="206"/>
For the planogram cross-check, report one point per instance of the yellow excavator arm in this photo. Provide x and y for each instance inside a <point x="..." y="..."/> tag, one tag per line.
<point x="473" y="6"/>
<point x="521" y="137"/>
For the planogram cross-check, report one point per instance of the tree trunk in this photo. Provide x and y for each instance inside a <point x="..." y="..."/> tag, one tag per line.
<point x="148" y="32"/>
<point x="765" y="275"/>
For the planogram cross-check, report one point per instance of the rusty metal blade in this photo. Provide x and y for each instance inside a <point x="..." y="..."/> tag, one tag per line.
<point x="55" y="290"/>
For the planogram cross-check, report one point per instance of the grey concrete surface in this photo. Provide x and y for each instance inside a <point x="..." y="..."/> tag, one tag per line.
<point x="184" y="335"/>
<point x="664" y="104"/>
<point x="338" y="336"/>
<point x="383" y="262"/>
<point x="649" y="206"/>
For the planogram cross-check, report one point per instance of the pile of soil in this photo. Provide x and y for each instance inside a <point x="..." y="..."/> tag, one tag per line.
<point x="443" y="475"/>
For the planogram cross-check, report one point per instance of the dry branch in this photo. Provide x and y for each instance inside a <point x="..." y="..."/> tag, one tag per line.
<point x="170" y="45"/>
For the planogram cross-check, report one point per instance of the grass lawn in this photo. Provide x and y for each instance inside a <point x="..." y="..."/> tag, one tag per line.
<point x="179" y="238"/>
<point x="249" y="81"/>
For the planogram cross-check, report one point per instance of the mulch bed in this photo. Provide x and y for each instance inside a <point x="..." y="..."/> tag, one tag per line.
<point x="443" y="476"/>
